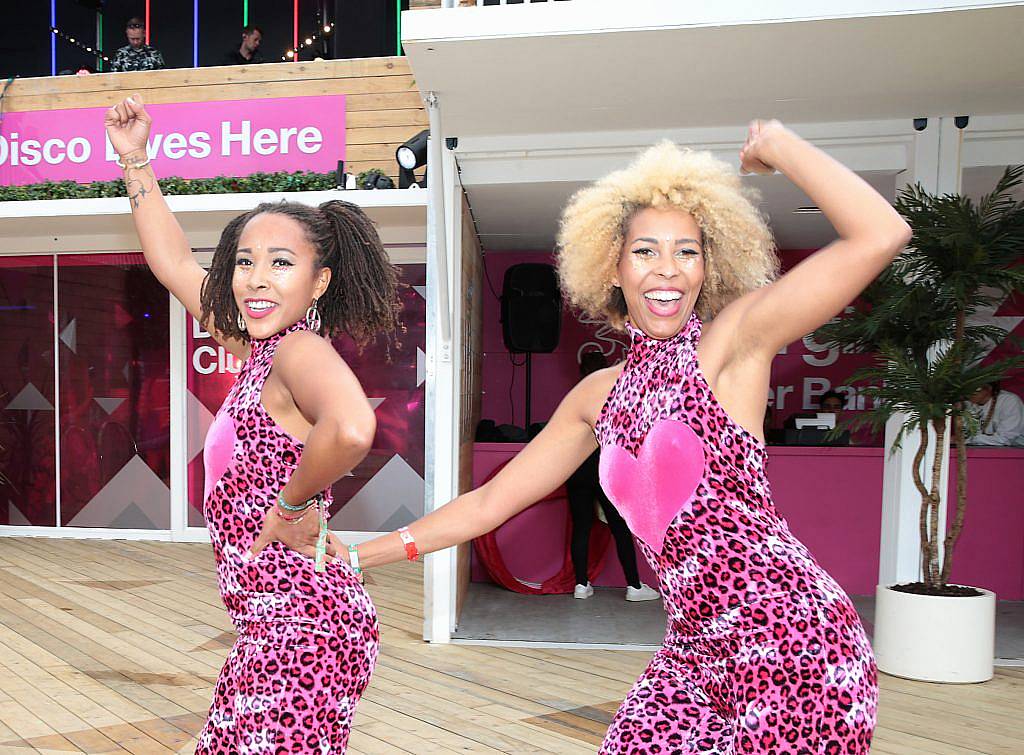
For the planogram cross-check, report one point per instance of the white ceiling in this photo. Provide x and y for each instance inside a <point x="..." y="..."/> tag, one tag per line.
<point x="525" y="216"/>
<point x="545" y="96"/>
<point x="494" y="76"/>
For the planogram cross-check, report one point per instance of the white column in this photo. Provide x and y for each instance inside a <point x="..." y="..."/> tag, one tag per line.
<point x="441" y="453"/>
<point x="935" y="165"/>
<point x="179" y="428"/>
<point x="453" y="237"/>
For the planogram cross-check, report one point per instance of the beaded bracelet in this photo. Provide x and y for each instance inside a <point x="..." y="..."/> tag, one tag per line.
<point x="289" y="507"/>
<point x="292" y="519"/>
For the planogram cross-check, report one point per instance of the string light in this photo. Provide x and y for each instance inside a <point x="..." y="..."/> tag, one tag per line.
<point x="97" y="52"/>
<point x="307" y="42"/>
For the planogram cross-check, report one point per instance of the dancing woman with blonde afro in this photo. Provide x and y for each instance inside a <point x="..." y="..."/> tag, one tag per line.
<point x="763" y="651"/>
<point x="739" y="253"/>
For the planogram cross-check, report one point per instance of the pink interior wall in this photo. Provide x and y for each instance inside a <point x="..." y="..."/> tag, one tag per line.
<point x="990" y="553"/>
<point x="831" y="498"/>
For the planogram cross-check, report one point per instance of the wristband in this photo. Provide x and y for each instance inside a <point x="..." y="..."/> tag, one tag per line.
<point x="321" y="540"/>
<point x="291" y="519"/>
<point x="288" y="507"/>
<point x="125" y="166"/>
<point x="353" y="559"/>
<point x="411" y="551"/>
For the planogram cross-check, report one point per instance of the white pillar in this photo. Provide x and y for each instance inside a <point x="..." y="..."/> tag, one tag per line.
<point x="936" y="166"/>
<point x="179" y="429"/>
<point x="441" y="453"/>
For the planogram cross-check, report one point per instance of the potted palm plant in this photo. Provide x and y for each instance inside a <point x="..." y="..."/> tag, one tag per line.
<point x="916" y="318"/>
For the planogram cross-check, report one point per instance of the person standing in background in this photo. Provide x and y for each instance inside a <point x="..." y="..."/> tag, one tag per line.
<point x="584" y="490"/>
<point x="248" y="52"/>
<point x="137" y="55"/>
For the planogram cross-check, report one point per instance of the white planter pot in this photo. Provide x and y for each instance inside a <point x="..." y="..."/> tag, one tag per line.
<point x="935" y="639"/>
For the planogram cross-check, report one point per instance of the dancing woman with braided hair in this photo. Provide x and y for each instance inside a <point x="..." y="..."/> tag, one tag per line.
<point x="296" y="420"/>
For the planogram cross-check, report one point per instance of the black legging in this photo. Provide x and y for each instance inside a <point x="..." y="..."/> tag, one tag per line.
<point x="583" y="487"/>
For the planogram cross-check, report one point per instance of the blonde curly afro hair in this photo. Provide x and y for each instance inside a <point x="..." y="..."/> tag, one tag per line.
<point x="739" y="255"/>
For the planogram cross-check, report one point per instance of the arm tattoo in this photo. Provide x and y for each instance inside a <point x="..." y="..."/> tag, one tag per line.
<point x="137" y="190"/>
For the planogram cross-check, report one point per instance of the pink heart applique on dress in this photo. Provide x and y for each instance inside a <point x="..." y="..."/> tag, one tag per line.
<point x="218" y="450"/>
<point x="651" y="489"/>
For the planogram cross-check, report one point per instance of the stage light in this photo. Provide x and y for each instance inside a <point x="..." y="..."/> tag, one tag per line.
<point x="290" y="53"/>
<point x="327" y="28"/>
<point x="410" y="156"/>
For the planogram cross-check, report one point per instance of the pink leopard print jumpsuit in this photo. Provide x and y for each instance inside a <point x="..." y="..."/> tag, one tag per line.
<point x="307" y="642"/>
<point x="763" y="652"/>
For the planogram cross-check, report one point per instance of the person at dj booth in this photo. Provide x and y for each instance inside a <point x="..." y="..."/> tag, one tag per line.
<point x="999" y="415"/>
<point x="137" y="55"/>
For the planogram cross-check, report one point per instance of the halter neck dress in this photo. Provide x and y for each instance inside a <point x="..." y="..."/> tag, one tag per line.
<point x="307" y="641"/>
<point x="763" y="651"/>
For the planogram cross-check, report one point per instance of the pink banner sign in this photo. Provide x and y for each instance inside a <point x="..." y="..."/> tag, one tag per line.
<point x="188" y="140"/>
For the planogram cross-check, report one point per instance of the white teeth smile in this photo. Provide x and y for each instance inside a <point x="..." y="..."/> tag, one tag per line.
<point x="261" y="306"/>
<point x="663" y="295"/>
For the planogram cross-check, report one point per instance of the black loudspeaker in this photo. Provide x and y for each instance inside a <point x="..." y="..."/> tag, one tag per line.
<point x="531" y="309"/>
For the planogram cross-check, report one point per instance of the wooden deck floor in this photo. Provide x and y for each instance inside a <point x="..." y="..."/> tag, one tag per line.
<point x="113" y="646"/>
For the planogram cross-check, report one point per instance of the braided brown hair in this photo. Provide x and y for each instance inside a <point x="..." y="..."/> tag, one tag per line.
<point x="361" y="299"/>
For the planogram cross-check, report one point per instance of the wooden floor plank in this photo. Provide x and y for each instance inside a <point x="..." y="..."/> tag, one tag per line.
<point x="114" y="646"/>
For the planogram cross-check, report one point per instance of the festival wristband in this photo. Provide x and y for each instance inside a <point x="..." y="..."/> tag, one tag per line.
<point x="411" y="551"/>
<point x="289" y="507"/>
<point x="321" y="540"/>
<point x="353" y="559"/>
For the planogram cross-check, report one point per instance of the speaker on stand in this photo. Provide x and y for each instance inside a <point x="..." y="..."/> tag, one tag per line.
<point x="531" y="315"/>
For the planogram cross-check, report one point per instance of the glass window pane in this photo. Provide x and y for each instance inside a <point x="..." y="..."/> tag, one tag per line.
<point x="385" y="491"/>
<point x="28" y="490"/>
<point x="114" y="393"/>
<point x="211" y="371"/>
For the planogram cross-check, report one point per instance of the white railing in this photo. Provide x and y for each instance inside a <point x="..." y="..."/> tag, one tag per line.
<point x="457" y="3"/>
<point x="507" y="2"/>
